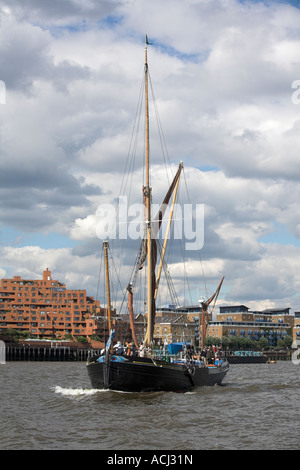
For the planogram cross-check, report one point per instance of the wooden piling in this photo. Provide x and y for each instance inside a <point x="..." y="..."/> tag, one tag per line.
<point x="55" y="354"/>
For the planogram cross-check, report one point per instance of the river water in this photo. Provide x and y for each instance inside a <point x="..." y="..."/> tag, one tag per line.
<point x="51" y="406"/>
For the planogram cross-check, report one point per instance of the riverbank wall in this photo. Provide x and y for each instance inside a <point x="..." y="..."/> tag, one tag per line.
<point x="47" y="352"/>
<point x="40" y="353"/>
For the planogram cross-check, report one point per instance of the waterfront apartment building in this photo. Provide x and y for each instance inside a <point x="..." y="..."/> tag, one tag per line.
<point x="182" y="324"/>
<point x="237" y="320"/>
<point x="170" y="326"/>
<point x="177" y="323"/>
<point x="174" y="329"/>
<point x="46" y="308"/>
<point x="296" y="329"/>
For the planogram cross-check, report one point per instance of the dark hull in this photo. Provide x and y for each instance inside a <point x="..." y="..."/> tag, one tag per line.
<point x="247" y="359"/>
<point x="134" y="374"/>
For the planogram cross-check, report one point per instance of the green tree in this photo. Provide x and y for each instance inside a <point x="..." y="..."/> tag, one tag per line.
<point x="209" y="341"/>
<point x="82" y="339"/>
<point x="248" y="343"/>
<point x="245" y="343"/>
<point x="225" y="342"/>
<point x="262" y="342"/>
<point x="233" y="342"/>
<point x="288" y="340"/>
<point x="95" y="337"/>
<point x="212" y="340"/>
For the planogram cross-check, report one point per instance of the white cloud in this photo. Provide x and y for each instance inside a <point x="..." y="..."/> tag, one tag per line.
<point x="85" y="228"/>
<point x="222" y="75"/>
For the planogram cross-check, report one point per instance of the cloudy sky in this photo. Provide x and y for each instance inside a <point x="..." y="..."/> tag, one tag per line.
<point x="224" y="74"/>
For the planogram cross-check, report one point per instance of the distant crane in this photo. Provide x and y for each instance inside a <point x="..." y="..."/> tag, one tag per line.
<point x="204" y="312"/>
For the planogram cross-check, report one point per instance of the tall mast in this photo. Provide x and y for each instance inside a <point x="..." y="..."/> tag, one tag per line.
<point x="105" y="245"/>
<point x="147" y="192"/>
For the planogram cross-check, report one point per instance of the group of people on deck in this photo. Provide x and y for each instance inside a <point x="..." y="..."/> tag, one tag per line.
<point x="129" y="349"/>
<point x="210" y="355"/>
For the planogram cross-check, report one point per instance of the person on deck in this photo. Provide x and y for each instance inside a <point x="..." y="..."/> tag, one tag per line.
<point x="203" y="355"/>
<point x="118" y="349"/>
<point x="141" y="350"/>
<point x="208" y="356"/>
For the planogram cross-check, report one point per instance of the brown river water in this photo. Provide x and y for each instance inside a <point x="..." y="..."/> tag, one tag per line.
<point x="51" y="406"/>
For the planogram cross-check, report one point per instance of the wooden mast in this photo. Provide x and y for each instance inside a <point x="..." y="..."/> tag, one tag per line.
<point x="105" y="245"/>
<point x="147" y="193"/>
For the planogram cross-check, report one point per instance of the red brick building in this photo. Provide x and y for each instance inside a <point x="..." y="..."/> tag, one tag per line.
<point x="47" y="309"/>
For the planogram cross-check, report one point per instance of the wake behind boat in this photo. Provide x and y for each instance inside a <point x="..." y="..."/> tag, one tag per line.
<point x="179" y="372"/>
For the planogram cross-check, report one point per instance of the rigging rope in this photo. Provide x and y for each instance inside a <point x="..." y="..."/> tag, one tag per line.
<point x="198" y="251"/>
<point x="126" y="188"/>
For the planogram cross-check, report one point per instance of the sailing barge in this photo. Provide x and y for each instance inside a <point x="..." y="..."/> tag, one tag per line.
<point x="148" y="374"/>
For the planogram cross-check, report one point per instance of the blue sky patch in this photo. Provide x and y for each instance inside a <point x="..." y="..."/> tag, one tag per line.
<point x="280" y="235"/>
<point x="294" y="3"/>
<point x="11" y="237"/>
